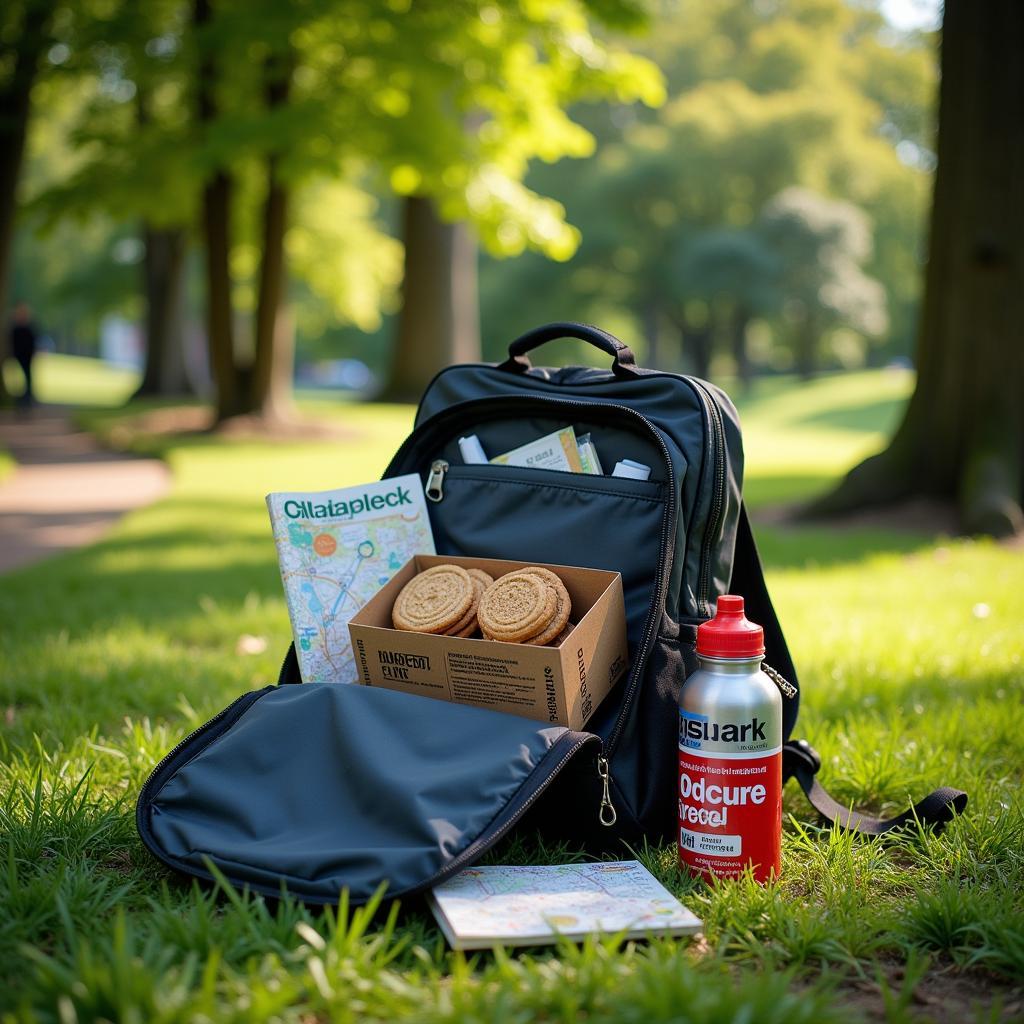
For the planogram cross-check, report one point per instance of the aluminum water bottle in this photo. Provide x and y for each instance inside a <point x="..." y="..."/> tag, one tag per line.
<point x="730" y="753"/>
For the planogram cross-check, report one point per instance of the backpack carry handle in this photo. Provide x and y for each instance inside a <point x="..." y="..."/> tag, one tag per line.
<point x="623" y="361"/>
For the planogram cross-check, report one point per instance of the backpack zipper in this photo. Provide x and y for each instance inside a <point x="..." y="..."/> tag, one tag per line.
<point x="668" y="518"/>
<point x="434" y="488"/>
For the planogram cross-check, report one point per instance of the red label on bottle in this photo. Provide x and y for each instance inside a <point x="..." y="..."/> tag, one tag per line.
<point x="730" y="814"/>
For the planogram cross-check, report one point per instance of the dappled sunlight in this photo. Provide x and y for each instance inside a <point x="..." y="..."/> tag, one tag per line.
<point x="823" y="426"/>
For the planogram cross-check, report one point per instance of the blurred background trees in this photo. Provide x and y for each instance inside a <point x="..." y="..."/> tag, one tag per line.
<point x="242" y="182"/>
<point x="356" y="192"/>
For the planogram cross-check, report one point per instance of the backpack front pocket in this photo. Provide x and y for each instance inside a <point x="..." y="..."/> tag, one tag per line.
<point x="539" y="515"/>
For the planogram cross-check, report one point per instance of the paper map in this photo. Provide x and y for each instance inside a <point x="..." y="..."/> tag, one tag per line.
<point x="336" y="550"/>
<point x="529" y="905"/>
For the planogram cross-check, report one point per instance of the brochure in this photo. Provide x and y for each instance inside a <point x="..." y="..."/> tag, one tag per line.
<point x="483" y="907"/>
<point x="554" y="451"/>
<point x="336" y="550"/>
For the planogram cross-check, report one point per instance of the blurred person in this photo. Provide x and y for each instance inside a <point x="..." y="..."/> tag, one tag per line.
<point x="24" y="343"/>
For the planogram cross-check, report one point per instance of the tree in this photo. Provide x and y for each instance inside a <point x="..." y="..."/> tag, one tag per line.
<point x="515" y="70"/>
<point x="762" y="97"/>
<point x="439" y="323"/>
<point x="25" y="32"/>
<point x="820" y="245"/>
<point x="962" y="435"/>
<point x="117" y="65"/>
<point x="736" y="275"/>
<point x="448" y="102"/>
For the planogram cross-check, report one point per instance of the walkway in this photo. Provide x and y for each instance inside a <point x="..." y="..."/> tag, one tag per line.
<point x="65" y="491"/>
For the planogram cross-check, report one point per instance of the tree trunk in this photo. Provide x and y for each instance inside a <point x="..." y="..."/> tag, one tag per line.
<point x="440" y="321"/>
<point x="270" y="388"/>
<point x="15" y="107"/>
<point x="164" y="289"/>
<point x="807" y="347"/>
<point x="220" y="335"/>
<point x="962" y="436"/>
<point x="271" y="383"/>
<point x="697" y="345"/>
<point x="738" y="330"/>
<point x="216" y="233"/>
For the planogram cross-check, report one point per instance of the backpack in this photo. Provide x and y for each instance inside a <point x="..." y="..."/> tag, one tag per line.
<point x="318" y="788"/>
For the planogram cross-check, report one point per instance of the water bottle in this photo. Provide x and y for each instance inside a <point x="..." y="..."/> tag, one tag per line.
<point x="730" y="753"/>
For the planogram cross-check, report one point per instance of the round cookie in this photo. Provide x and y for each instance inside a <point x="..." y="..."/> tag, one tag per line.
<point x="468" y="621"/>
<point x="552" y="635"/>
<point x="516" y="607"/>
<point x="562" y="610"/>
<point x="433" y="600"/>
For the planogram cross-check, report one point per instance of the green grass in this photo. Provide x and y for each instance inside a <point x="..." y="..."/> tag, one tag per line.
<point x="910" y="651"/>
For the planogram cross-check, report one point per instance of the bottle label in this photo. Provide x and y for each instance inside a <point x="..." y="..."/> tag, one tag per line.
<point x="730" y="798"/>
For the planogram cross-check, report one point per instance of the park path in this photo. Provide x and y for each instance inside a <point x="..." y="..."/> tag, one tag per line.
<point x="65" y="491"/>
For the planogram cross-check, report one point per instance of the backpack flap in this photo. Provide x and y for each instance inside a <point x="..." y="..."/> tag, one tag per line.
<point x="321" y="787"/>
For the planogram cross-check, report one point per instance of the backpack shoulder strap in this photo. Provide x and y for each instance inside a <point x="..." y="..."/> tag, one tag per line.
<point x="748" y="580"/>
<point x="799" y="759"/>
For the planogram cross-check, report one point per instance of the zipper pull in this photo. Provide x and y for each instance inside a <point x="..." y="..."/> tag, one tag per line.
<point x="435" y="482"/>
<point x="787" y="689"/>
<point x="607" y="815"/>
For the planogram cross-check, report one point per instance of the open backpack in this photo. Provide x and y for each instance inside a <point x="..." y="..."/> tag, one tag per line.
<point x="315" y="788"/>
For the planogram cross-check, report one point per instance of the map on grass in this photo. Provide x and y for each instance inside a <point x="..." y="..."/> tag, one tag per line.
<point x="336" y="550"/>
<point x="532" y="905"/>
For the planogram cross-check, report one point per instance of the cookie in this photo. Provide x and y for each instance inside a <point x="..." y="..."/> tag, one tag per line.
<point x="434" y="600"/>
<point x="562" y="610"/>
<point x="555" y="641"/>
<point x="467" y="624"/>
<point x="516" y="607"/>
<point x="483" y="577"/>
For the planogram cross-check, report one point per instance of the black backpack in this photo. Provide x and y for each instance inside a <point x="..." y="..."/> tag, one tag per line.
<point x="322" y="787"/>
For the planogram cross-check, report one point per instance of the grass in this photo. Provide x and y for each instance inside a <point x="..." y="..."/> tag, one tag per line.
<point x="910" y="651"/>
<point x="74" y="380"/>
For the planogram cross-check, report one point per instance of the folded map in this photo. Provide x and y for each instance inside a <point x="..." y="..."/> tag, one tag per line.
<point x="336" y="550"/>
<point x="529" y="905"/>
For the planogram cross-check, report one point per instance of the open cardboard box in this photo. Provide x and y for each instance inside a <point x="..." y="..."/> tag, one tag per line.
<point x="562" y="684"/>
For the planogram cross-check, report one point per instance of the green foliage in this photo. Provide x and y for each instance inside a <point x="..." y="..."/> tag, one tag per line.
<point x="450" y="100"/>
<point x="909" y="648"/>
<point x="762" y="97"/>
<point x="821" y="245"/>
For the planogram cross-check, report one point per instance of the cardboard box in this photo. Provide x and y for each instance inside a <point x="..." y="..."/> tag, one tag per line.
<point x="561" y="684"/>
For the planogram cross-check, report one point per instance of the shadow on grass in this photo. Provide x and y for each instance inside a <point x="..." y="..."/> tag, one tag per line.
<point x="217" y="554"/>
<point x="789" y="489"/>
<point x="804" y="547"/>
<point x="865" y="417"/>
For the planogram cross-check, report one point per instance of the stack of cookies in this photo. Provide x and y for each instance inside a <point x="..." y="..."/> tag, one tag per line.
<point x="528" y="605"/>
<point x="443" y="599"/>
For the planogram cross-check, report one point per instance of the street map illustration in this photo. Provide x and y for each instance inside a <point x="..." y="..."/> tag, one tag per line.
<point x="336" y="550"/>
<point x="526" y="904"/>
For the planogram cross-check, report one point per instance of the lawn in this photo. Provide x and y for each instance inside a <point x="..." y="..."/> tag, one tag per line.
<point x="910" y="651"/>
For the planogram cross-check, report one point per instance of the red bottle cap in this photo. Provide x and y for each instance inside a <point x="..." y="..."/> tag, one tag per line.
<point x="730" y="634"/>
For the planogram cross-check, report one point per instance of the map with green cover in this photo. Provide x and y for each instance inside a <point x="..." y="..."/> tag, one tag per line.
<point x="336" y="550"/>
